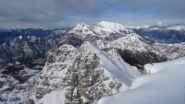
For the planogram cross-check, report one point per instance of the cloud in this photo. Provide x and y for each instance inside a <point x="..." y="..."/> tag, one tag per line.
<point x="173" y="8"/>
<point x="47" y="11"/>
<point x="57" y="12"/>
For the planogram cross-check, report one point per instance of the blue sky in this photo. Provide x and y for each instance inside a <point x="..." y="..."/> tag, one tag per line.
<point x="58" y="13"/>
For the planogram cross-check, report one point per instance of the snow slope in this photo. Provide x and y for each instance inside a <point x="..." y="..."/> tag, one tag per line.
<point x="81" y="29"/>
<point x="106" y="28"/>
<point x="114" y="65"/>
<point x="166" y="85"/>
<point x="132" y="42"/>
<point x="55" y="97"/>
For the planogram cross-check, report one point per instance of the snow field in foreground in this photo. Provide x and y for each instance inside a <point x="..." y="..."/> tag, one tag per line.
<point x="165" y="85"/>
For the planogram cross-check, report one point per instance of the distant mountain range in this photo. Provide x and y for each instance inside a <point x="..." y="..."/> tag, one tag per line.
<point x="33" y="44"/>
<point x="163" y="34"/>
<point x="159" y="33"/>
<point x="10" y="34"/>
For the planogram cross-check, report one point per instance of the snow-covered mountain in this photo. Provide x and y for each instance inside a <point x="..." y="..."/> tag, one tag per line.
<point x="111" y="31"/>
<point x="9" y="34"/>
<point x="139" y="51"/>
<point x="83" y="64"/>
<point x="82" y="30"/>
<point x="101" y="30"/>
<point x="85" y="74"/>
<point x="29" y="49"/>
<point x="33" y="48"/>
<point x="77" y="76"/>
<point x="107" y="28"/>
<point x="23" y="49"/>
<point x="136" y="43"/>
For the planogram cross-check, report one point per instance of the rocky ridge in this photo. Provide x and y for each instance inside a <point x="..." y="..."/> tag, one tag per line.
<point x="86" y="74"/>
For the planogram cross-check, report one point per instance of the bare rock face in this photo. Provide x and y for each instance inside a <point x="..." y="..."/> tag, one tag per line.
<point x="54" y="72"/>
<point x="82" y="74"/>
<point x="89" y="81"/>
